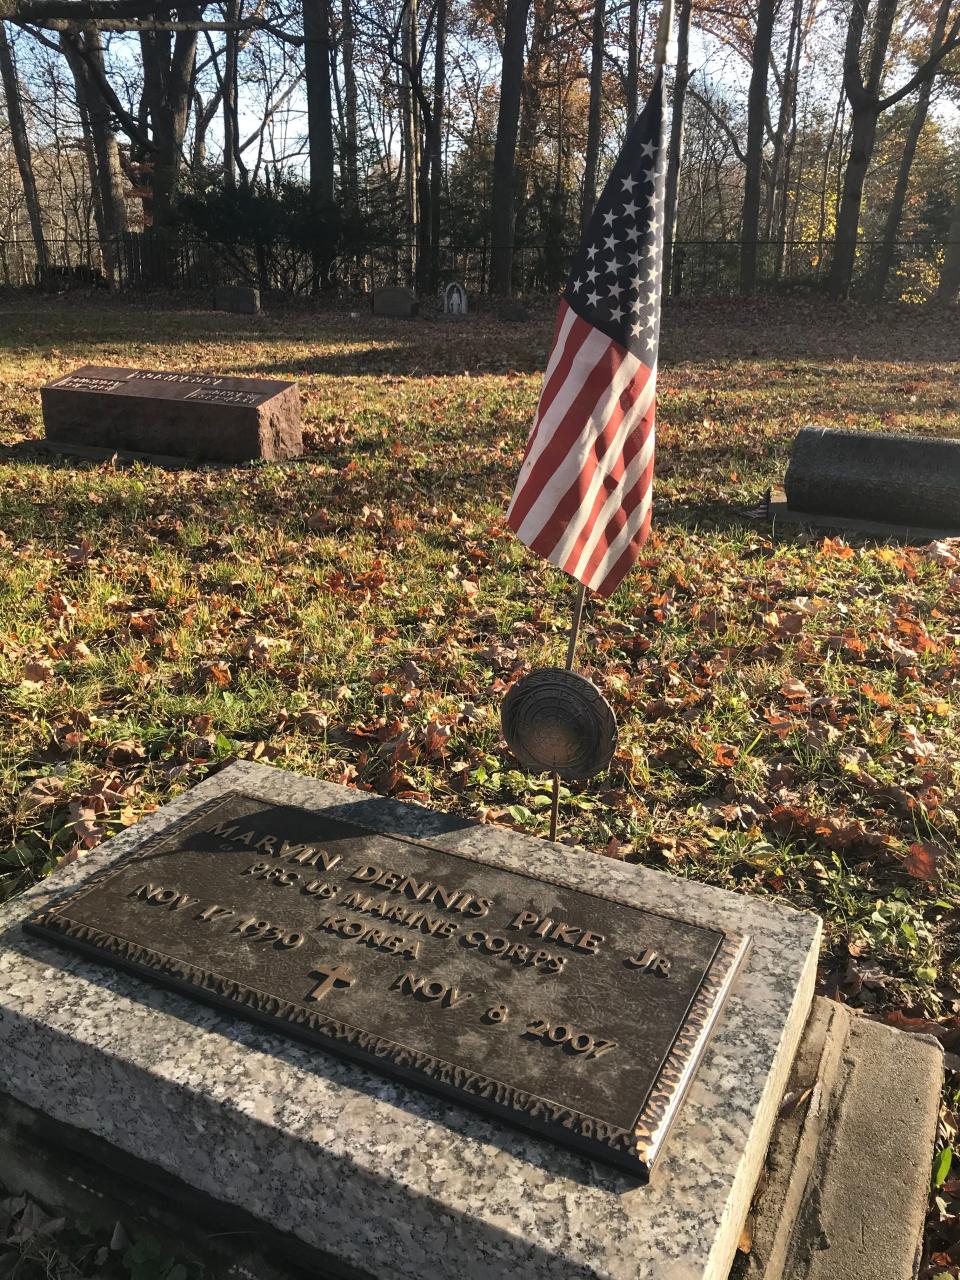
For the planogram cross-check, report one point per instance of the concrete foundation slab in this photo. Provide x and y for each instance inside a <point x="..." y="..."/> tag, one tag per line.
<point x="779" y="512"/>
<point x="843" y="1195"/>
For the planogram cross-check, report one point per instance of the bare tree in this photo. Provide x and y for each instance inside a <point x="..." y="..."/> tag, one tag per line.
<point x="436" y="139"/>
<point x="753" y="177"/>
<point x="948" y="288"/>
<point x="680" y="81"/>
<point x="503" y="195"/>
<point x="316" y="52"/>
<point x="866" y="106"/>
<point x="592" y="156"/>
<point x="891" y="226"/>
<point x="21" y="147"/>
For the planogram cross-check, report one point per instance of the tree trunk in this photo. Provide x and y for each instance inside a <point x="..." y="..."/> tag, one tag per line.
<point x="864" y="98"/>
<point x="349" y="172"/>
<point x="787" y="92"/>
<point x="21" y="148"/>
<point x="891" y="228"/>
<point x="103" y="155"/>
<point x="105" y="143"/>
<point x="863" y="136"/>
<point x="949" y="287"/>
<point x="168" y="74"/>
<point x="231" y="138"/>
<point x="592" y="157"/>
<point x="502" y="199"/>
<point x="68" y="46"/>
<point x="316" y="66"/>
<point x="756" y="107"/>
<point x="787" y="160"/>
<point x="409" y="47"/>
<point x="633" y="58"/>
<point x="680" y="81"/>
<point x="436" y="141"/>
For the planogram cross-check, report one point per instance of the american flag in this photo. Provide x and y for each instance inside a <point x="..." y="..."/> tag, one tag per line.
<point x="583" y="496"/>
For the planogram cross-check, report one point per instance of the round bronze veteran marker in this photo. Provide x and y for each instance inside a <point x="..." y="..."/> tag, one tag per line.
<point x="556" y="721"/>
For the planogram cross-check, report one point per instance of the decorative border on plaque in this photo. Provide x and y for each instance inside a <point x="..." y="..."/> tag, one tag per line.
<point x="637" y="1148"/>
<point x="653" y="1123"/>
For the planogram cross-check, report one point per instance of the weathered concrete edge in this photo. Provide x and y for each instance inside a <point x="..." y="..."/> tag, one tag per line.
<point x="751" y="1164"/>
<point x="815" y="1217"/>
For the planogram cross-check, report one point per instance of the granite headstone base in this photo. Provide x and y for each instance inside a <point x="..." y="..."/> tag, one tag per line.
<point x="203" y="416"/>
<point x="374" y="1177"/>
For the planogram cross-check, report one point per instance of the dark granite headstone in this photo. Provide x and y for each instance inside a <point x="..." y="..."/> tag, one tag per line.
<point x="237" y="297"/>
<point x="913" y="481"/>
<point x="189" y="415"/>
<point x="394" y="302"/>
<point x="512" y="311"/>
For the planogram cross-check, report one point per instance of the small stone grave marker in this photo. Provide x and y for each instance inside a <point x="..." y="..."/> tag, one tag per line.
<point x="204" y="416"/>
<point x="237" y="297"/>
<point x="394" y="301"/>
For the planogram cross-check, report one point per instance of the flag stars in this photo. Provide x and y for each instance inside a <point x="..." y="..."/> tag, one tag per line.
<point x="593" y="298"/>
<point x="630" y="208"/>
<point x="648" y="150"/>
<point x="616" y="313"/>
<point x="628" y="184"/>
<point x="608" y="218"/>
<point x="610" y="242"/>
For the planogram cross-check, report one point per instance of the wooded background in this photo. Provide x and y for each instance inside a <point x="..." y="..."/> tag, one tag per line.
<point x="335" y="145"/>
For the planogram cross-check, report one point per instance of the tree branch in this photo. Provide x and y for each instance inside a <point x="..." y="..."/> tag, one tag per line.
<point x="41" y="11"/>
<point x="929" y="69"/>
<point x="715" y="115"/>
<point x="102" y="85"/>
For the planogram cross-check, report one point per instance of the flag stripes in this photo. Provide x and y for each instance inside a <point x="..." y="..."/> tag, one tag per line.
<point x="583" y="496"/>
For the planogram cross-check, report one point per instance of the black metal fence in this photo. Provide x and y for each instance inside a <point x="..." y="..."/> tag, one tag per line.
<point x="152" y="260"/>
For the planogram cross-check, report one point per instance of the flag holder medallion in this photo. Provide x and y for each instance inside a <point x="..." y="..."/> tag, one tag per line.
<point x="558" y="721"/>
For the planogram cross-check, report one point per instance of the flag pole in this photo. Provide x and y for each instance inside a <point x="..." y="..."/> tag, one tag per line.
<point x="571" y="650"/>
<point x="666" y="48"/>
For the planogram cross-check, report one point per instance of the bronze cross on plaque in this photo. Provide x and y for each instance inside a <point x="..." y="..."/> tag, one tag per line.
<point x="339" y="975"/>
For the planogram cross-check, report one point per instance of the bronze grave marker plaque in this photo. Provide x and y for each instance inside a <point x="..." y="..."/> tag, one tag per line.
<point x="572" y="1014"/>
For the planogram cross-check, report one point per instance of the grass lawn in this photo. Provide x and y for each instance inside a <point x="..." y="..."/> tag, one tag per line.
<point x="789" y="707"/>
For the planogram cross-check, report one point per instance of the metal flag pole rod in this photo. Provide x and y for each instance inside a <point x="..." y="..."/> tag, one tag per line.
<point x="665" y="54"/>
<point x="571" y="650"/>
